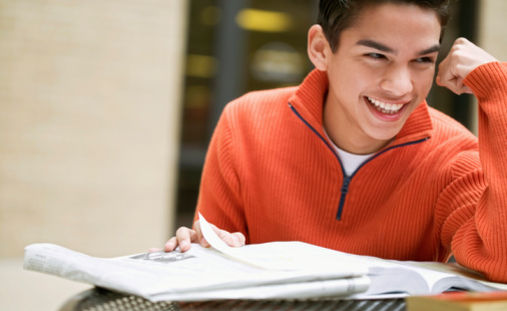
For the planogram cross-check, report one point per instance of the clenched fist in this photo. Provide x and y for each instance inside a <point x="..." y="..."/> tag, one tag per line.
<point x="463" y="57"/>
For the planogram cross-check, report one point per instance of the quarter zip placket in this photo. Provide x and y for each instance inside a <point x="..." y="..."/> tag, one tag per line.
<point x="346" y="178"/>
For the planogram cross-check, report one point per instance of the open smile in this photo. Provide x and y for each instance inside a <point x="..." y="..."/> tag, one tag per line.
<point x="386" y="111"/>
<point x="383" y="107"/>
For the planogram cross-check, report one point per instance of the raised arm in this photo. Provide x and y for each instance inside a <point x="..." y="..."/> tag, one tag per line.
<point x="476" y="203"/>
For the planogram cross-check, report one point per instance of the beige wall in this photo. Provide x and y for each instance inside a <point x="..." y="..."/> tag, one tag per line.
<point x="493" y="27"/>
<point x="492" y="34"/>
<point x="89" y="121"/>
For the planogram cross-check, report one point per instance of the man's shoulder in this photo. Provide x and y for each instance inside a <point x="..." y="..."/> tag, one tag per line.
<point x="446" y="126"/>
<point x="262" y="100"/>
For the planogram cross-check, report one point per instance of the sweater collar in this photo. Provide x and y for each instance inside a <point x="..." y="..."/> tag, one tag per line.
<point x="309" y="98"/>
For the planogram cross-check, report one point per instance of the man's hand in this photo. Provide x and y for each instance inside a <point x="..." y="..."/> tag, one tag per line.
<point x="185" y="236"/>
<point x="463" y="57"/>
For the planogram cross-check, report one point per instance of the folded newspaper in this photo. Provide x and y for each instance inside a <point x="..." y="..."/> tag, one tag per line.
<point x="277" y="270"/>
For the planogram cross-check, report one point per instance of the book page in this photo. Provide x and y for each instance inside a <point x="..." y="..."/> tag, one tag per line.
<point x="287" y="255"/>
<point x="442" y="277"/>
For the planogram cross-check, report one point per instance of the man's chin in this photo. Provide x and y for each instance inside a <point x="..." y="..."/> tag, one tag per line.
<point x="385" y="135"/>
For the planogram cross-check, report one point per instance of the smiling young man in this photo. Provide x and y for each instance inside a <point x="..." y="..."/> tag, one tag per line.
<point x="378" y="75"/>
<point x="354" y="159"/>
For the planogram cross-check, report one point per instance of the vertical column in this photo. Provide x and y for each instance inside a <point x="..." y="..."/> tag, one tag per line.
<point x="492" y="33"/>
<point x="230" y="52"/>
<point x="89" y="122"/>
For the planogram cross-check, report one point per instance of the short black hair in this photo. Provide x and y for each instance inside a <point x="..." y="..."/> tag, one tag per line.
<point x="337" y="15"/>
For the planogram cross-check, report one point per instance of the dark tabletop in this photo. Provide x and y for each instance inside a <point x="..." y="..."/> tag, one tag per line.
<point x="98" y="299"/>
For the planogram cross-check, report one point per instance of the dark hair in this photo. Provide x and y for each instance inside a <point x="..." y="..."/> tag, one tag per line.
<point x="337" y="15"/>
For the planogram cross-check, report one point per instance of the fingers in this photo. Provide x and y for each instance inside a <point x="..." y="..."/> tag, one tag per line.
<point x="239" y="239"/>
<point x="452" y="82"/>
<point x="449" y="75"/>
<point x="171" y="244"/>
<point x="462" y="59"/>
<point x="201" y="240"/>
<point x="184" y="237"/>
<point x="235" y="239"/>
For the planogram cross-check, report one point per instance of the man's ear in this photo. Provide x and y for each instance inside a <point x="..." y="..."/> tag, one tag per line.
<point x="318" y="47"/>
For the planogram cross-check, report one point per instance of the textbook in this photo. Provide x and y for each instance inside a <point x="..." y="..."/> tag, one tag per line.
<point x="459" y="301"/>
<point x="276" y="270"/>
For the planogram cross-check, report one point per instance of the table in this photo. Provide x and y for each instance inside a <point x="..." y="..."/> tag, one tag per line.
<point x="98" y="299"/>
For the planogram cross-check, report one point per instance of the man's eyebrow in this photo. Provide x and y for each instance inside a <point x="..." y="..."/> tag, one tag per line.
<point x="375" y="45"/>
<point x="384" y="48"/>
<point x="433" y="49"/>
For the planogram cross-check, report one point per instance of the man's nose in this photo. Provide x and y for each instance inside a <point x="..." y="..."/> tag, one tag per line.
<point x="397" y="82"/>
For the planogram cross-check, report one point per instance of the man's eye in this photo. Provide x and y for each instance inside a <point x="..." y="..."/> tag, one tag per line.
<point x="375" y="56"/>
<point x="425" y="60"/>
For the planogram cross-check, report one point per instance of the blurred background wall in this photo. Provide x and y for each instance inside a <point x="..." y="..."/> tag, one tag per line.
<point x="493" y="27"/>
<point x="107" y="107"/>
<point x="89" y="132"/>
<point x="89" y="122"/>
<point x="492" y="32"/>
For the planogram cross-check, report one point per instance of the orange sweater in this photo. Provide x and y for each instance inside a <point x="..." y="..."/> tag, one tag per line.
<point x="271" y="174"/>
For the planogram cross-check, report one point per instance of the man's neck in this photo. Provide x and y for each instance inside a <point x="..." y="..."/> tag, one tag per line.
<point x="353" y="146"/>
<point x="349" y="137"/>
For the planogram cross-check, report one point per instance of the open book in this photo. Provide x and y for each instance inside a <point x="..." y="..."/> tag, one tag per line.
<point x="277" y="270"/>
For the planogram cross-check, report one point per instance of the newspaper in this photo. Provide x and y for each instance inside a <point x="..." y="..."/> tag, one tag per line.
<point x="281" y="270"/>
<point x="277" y="270"/>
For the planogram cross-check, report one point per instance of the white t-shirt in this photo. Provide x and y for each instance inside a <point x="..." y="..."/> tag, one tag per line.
<point x="350" y="161"/>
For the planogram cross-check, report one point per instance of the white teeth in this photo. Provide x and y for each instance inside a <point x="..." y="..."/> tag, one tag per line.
<point x="385" y="107"/>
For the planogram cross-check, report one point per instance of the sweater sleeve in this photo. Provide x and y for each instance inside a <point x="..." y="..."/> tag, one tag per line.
<point x="476" y="228"/>
<point x="219" y="194"/>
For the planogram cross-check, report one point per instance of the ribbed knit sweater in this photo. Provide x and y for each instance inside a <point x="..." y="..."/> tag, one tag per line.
<point x="433" y="191"/>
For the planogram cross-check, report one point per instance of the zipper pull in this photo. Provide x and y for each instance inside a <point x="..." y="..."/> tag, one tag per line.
<point x="345" y="186"/>
<point x="344" y="190"/>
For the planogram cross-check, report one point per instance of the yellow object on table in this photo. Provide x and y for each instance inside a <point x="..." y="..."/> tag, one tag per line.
<point x="459" y="301"/>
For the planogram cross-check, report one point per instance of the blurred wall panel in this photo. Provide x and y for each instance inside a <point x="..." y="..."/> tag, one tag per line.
<point x="89" y="122"/>
<point x="492" y="35"/>
<point x="492" y="28"/>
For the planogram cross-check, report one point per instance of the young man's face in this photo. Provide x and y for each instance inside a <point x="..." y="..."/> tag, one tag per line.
<point x="382" y="69"/>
